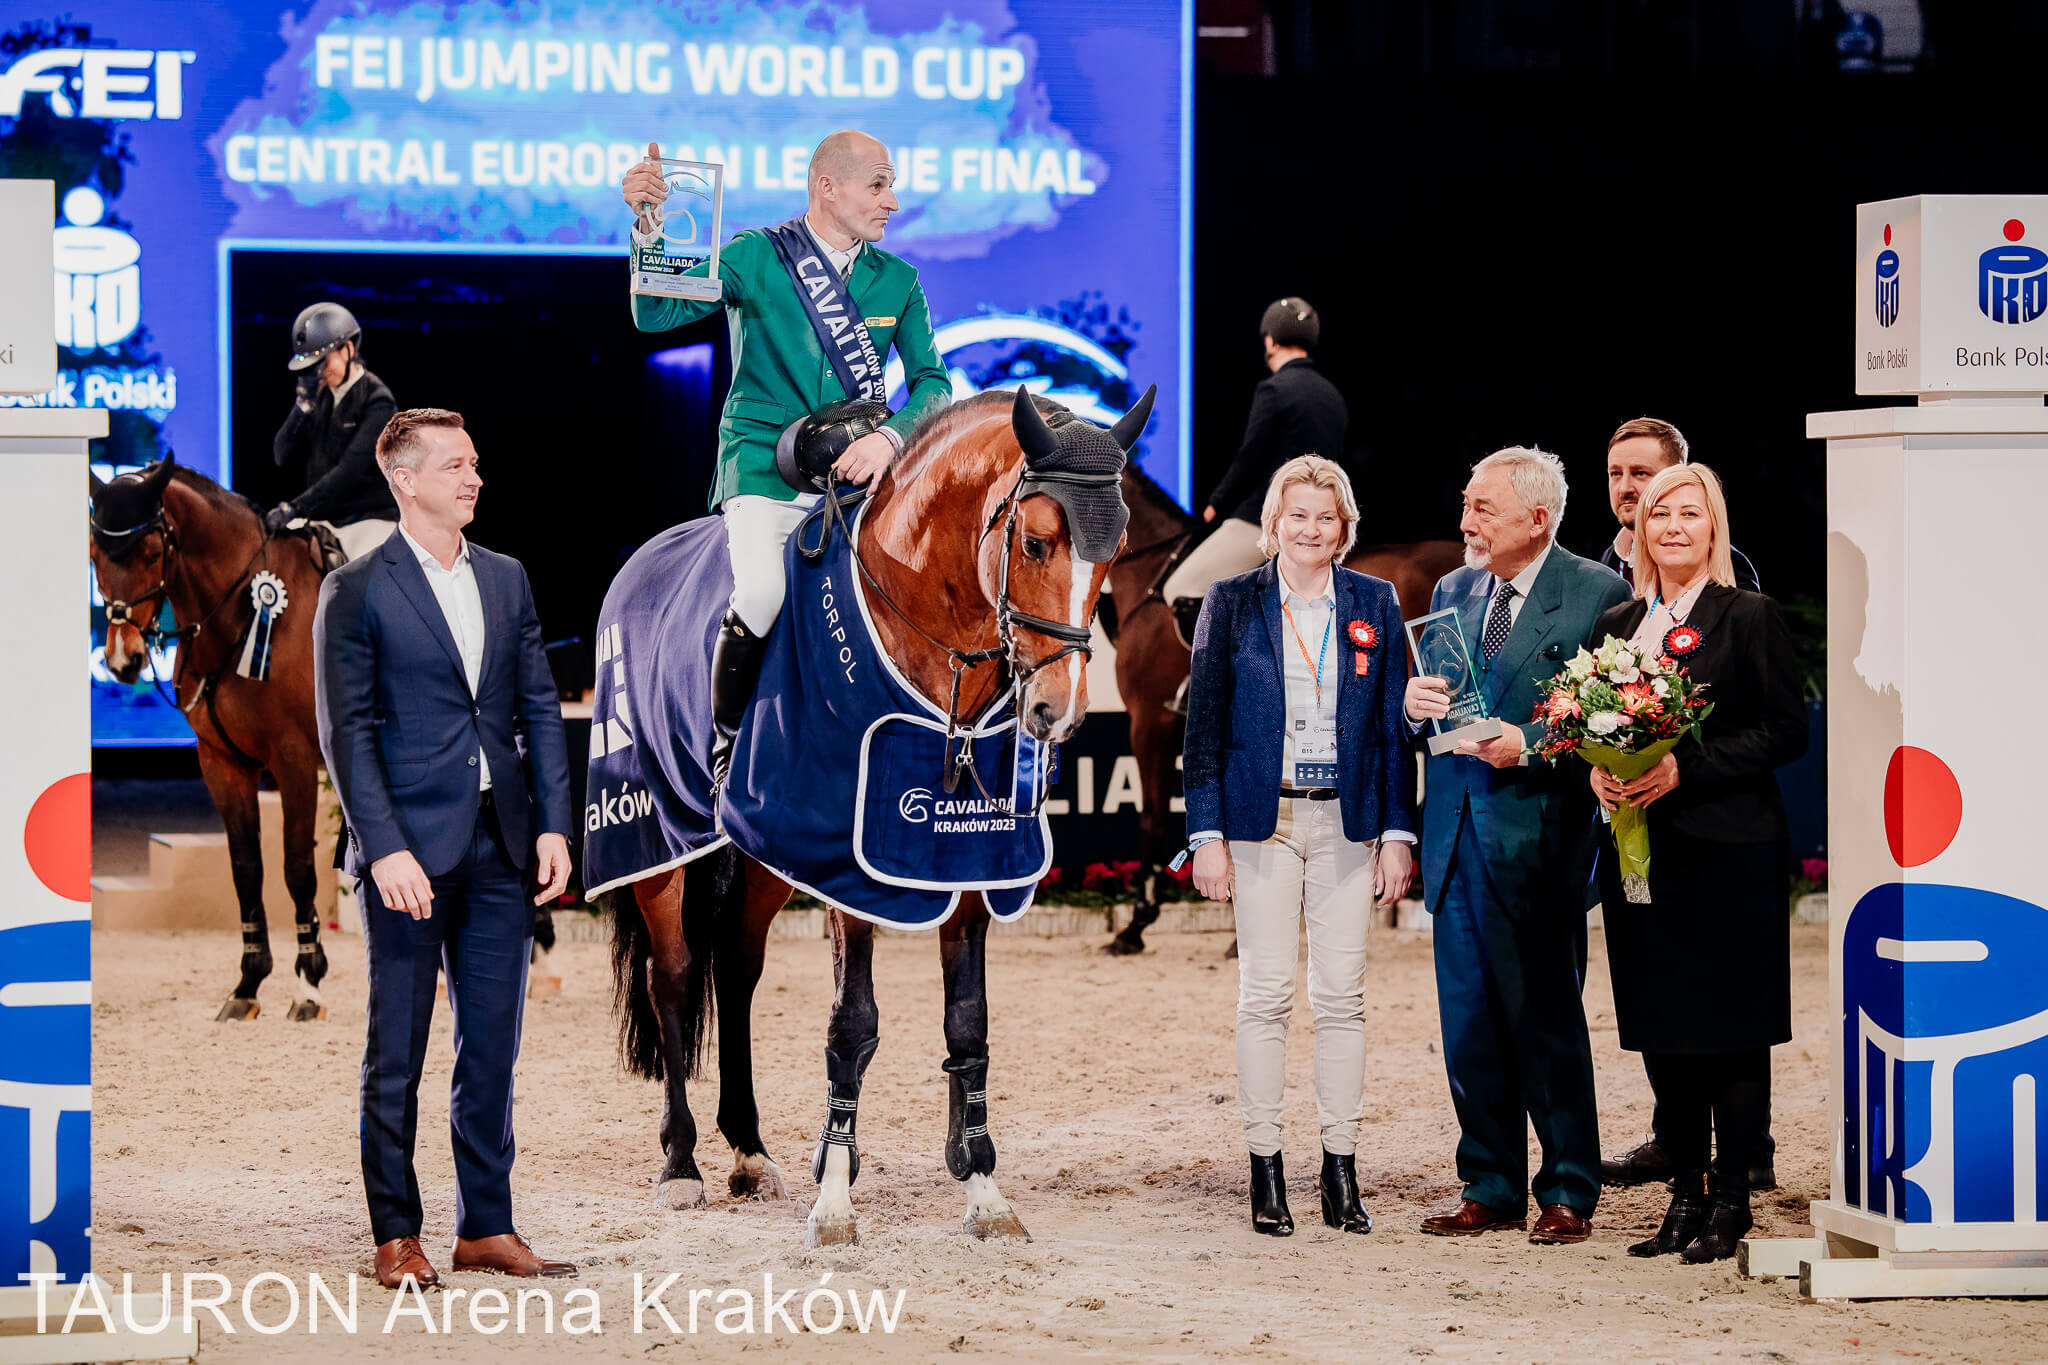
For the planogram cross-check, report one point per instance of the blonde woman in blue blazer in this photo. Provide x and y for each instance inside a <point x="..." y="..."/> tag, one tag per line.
<point x="1300" y="788"/>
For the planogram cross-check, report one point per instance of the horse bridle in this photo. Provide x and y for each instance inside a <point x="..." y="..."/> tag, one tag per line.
<point x="1073" y="639"/>
<point x="154" y="636"/>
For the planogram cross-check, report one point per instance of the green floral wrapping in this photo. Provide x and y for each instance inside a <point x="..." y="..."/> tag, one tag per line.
<point x="1630" y="824"/>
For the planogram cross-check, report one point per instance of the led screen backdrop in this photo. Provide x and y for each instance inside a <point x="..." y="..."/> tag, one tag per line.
<point x="1041" y="150"/>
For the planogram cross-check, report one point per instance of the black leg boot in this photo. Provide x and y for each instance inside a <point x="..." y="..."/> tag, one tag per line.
<point x="1186" y="611"/>
<point x="1728" y="1220"/>
<point x="842" y="1109"/>
<point x="735" y="668"/>
<point x="1338" y="1184"/>
<point x="1683" y="1220"/>
<point x="1269" y="1197"/>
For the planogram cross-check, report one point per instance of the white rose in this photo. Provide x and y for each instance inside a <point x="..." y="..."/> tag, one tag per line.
<point x="1603" y="722"/>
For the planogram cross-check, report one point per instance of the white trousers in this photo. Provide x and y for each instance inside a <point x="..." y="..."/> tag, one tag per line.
<point x="1231" y="549"/>
<point x="757" y="530"/>
<point x="1307" y="871"/>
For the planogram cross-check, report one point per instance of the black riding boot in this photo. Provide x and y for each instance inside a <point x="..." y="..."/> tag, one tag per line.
<point x="1683" y="1220"/>
<point x="1269" y="1197"/>
<point x="1338" y="1185"/>
<point x="735" y="668"/>
<point x="1728" y="1220"/>
<point x="1186" y="611"/>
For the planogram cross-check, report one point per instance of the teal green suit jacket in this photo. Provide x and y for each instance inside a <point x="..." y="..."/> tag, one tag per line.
<point x="779" y="371"/>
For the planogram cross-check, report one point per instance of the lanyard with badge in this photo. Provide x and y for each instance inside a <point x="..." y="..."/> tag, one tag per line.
<point x="1315" y="736"/>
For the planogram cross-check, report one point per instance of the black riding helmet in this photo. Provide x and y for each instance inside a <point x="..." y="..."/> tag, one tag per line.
<point x="320" y="329"/>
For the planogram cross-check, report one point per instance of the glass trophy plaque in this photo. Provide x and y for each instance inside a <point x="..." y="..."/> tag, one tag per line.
<point x="1438" y="640"/>
<point x="688" y="226"/>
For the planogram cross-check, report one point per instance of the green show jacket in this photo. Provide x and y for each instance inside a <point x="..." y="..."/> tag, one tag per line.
<point x="779" y="369"/>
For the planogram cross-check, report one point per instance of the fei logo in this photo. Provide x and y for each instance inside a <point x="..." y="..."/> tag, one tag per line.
<point x="916" y="805"/>
<point x="1887" y="282"/>
<point x="105" y="83"/>
<point x="2012" y="281"/>
<point x="99" y="284"/>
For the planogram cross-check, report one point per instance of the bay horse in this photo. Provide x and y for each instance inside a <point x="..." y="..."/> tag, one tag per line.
<point x="1152" y="661"/>
<point x="976" y="585"/>
<point x="170" y="535"/>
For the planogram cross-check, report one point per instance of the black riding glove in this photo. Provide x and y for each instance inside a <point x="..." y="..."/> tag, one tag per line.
<point x="278" y="518"/>
<point x="309" y="387"/>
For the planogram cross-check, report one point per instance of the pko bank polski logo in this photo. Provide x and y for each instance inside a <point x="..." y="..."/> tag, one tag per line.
<point x="99" y="283"/>
<point x="95" y="82"/>
<point x="1887" y="282"/>
<point x="2012" y="280"/>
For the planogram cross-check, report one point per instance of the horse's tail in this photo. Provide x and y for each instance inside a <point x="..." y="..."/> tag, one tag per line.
<point x="706" y="885"/>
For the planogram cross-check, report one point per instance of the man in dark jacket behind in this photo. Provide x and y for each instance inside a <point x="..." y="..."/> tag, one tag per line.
<point x="331" y="434"/>
<point x="1295" y="411"/>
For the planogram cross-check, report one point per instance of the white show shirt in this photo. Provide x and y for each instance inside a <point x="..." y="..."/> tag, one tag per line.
<point x="462" y="604"/>
<point x="842" y="261"/>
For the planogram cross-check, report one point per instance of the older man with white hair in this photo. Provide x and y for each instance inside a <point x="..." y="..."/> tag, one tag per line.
<point x="1507" y="847"/>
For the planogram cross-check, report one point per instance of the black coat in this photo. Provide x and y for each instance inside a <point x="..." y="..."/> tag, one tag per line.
<point x="337" y="446"/>
<point x="1706" y="965"/>
<point x="1295" y="411"/>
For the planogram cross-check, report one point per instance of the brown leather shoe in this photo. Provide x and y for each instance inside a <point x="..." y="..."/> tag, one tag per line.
<point x="1471" y="1219"/>
<point x="400" y="1257"/>
<point x="1559" y="1225"/>
<point x="506" y="1254"/>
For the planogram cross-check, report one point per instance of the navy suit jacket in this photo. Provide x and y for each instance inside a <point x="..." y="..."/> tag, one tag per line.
<point x="1534" y="823"/>
<point x="1237" y="710"/>
<point x="400" y="729"/>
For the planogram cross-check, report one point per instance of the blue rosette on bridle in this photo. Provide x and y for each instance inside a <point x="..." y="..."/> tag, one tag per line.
<point x="266" y="591"/>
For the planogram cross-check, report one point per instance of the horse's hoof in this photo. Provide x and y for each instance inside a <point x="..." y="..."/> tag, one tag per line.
<point x="1123" y="947"/>
<point x="305" y="1011"/>
<point x="757" y="1177"/>
<point x="680" y="1194"/>
<point x="830" y="1232"/>
<point x="542" y="987"/>
<point x="987" y="1225"/>
<point x="237" y="1009"/>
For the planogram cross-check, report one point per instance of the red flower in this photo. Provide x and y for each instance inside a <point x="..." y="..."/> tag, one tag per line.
<point x="1680" y="641"/>
<point x="1050" y="880"/>
<point x="1363" y="635"/>
<point x="1562" y="706"/>
<point x="1638" y="699"/>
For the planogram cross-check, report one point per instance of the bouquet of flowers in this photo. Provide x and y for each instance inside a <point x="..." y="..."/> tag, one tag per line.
<point x="1622" y="709"/>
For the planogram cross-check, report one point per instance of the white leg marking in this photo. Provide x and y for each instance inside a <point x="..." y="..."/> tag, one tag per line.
<point x="831" y="1221"/>
<point x="988" y="1213"/>
<point x="679" y="1194"/>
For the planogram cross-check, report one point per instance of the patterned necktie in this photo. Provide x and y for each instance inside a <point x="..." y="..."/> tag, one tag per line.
<point x="1498" y="622"/>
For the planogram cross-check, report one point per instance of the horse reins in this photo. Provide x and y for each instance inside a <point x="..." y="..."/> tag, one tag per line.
<point x="1073" y="639"/>
<point x="154" y="636"/>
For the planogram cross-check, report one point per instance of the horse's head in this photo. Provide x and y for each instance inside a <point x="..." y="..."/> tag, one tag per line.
<point x="131" y="546"/>
<point x="1056" y="531"/>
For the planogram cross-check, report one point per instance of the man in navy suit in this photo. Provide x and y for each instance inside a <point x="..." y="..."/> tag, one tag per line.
<point x="1507" y="848"/>
<point x="442" y="733"/>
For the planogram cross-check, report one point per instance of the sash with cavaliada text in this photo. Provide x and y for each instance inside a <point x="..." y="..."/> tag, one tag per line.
<point x="832" y="311"/>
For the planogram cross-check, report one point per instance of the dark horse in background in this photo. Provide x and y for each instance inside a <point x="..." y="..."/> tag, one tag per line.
<point x="169" y="535"/>
<point x="958" y="562"/>
<point x="1152" y="661"/>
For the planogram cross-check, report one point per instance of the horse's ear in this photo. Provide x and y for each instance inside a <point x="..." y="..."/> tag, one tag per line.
<point x="1032" y="433"/>
<point x="154" y="481"/>
<point x="1131" y="425"/>
<point x="99" y="485"/>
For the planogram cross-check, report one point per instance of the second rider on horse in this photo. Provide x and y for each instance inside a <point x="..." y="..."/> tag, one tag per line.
<point x="775" y="282"/>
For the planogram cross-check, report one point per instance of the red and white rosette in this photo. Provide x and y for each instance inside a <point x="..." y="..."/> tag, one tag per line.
<point x="1681" y="640"/>
<point x="1363" y="638"/>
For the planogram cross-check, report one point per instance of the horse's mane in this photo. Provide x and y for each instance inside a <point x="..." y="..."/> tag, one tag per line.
<point x="220" y="499"/>
<point x="1156" y="494"/>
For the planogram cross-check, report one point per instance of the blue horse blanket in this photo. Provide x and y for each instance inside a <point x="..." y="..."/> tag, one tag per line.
<point x="837" y="771"/>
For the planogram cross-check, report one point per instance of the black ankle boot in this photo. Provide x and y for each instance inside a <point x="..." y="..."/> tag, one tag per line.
<point x="1338" y="1184"/>
<point x="1728" y="1220"/>
<point x="1683" y="1220"/>
<point x="735" y="668"/>
<point x="1269" y="1197"/>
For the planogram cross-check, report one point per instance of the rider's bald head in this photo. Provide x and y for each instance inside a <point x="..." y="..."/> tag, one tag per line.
<point x="845" y="156"/>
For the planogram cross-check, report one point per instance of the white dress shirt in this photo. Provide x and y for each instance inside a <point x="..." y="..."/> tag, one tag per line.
<point x="462" y="604"/>
<point x="1525" y="583"/>
<point x="841" y="261"/>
